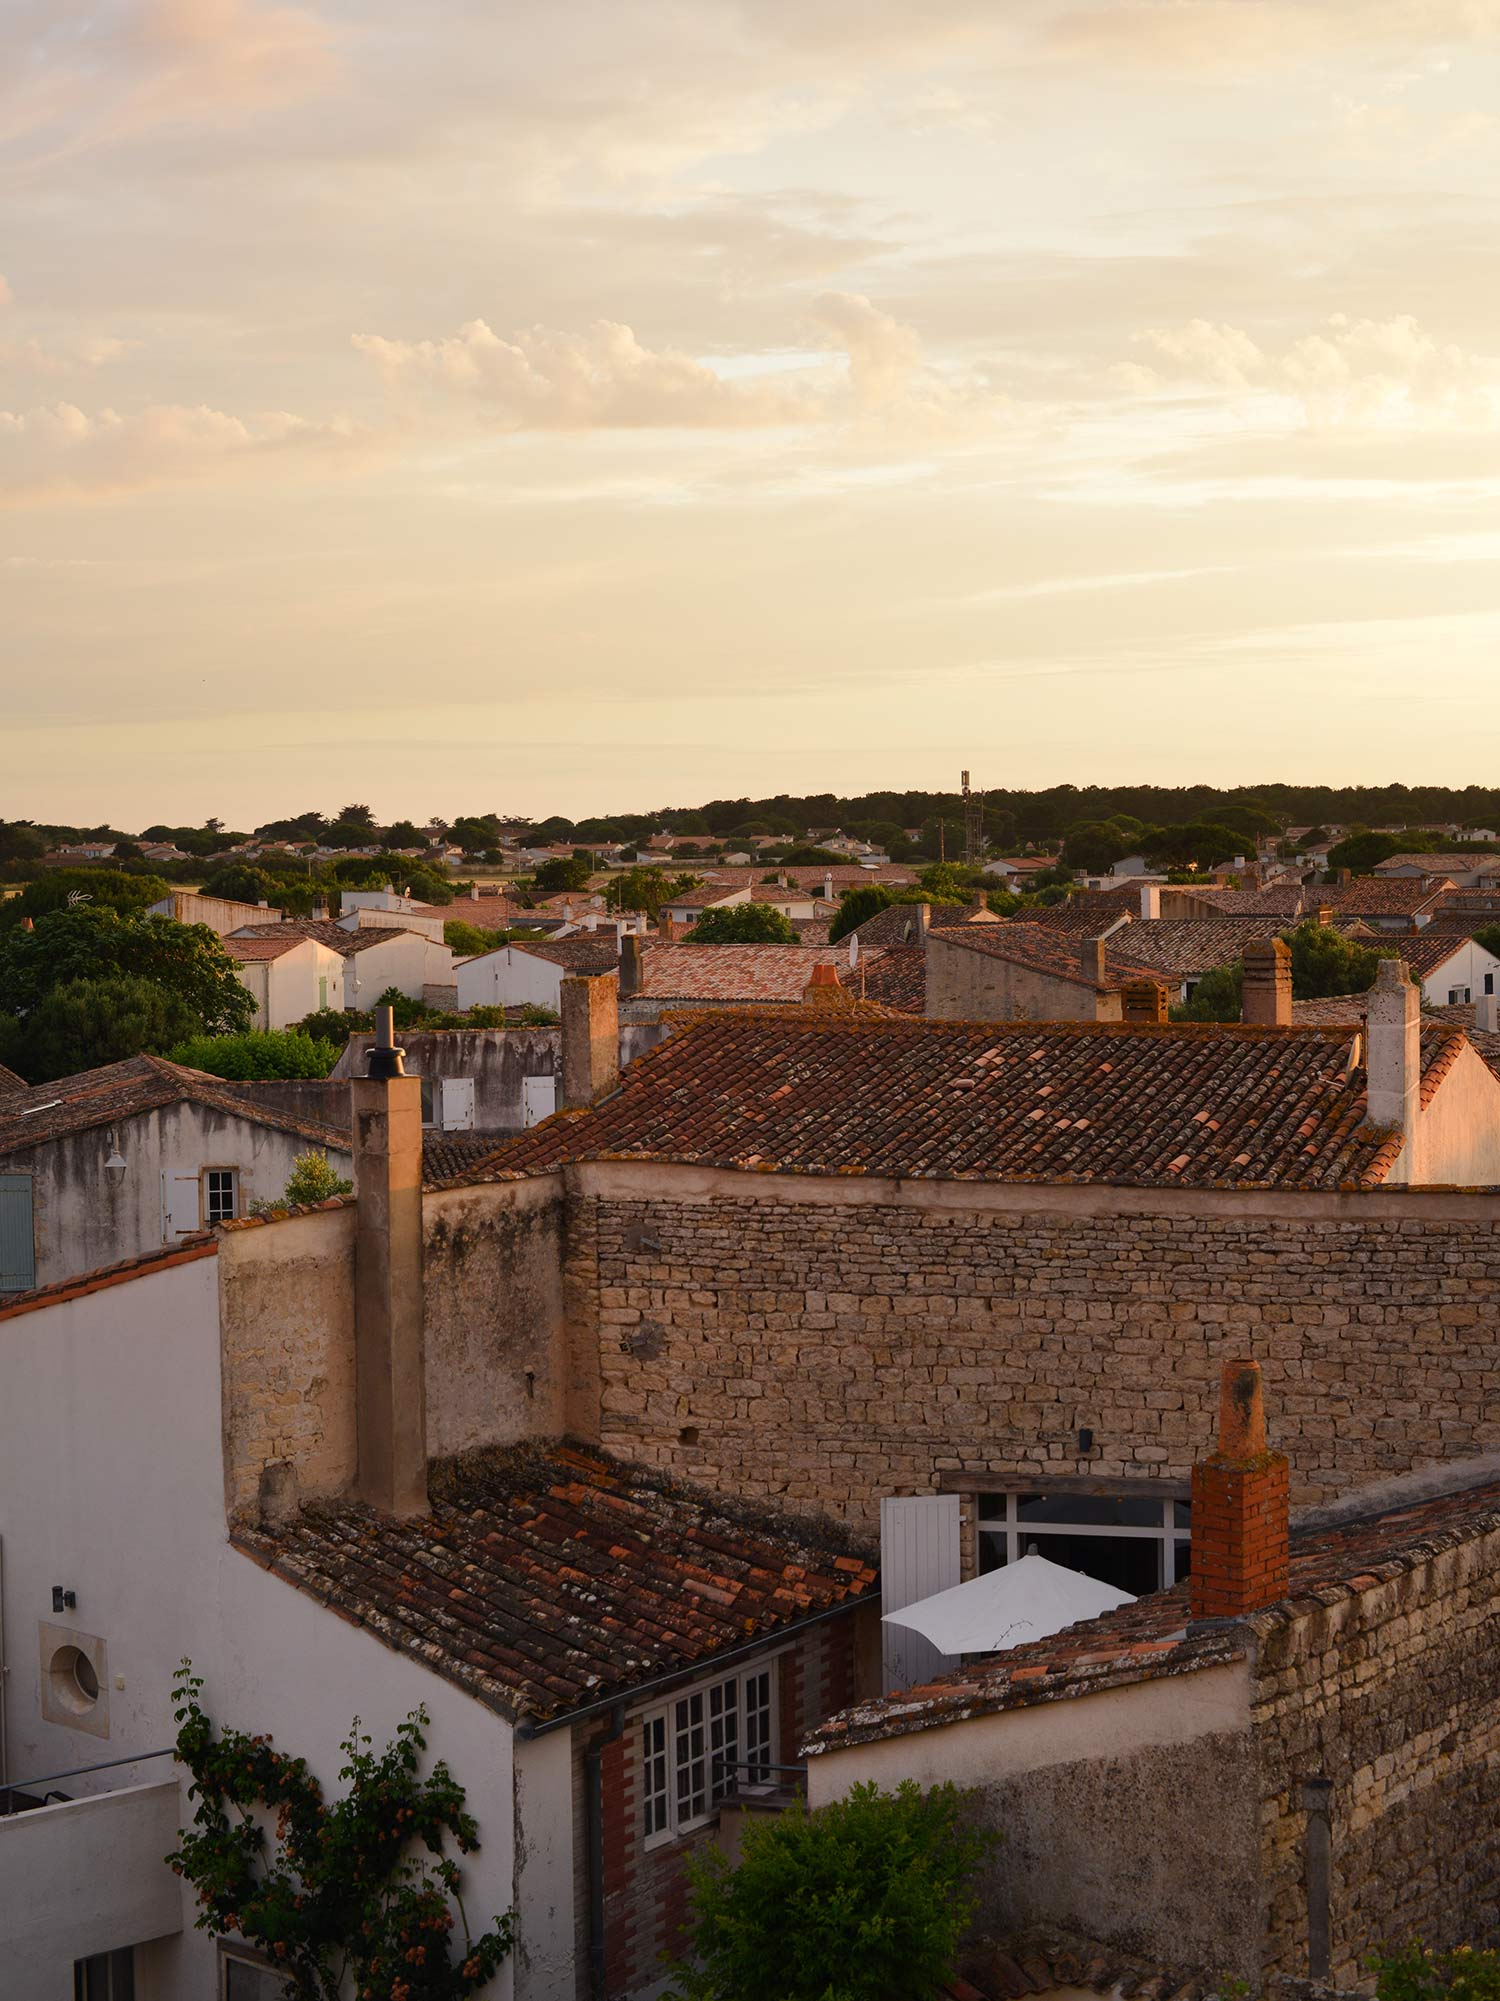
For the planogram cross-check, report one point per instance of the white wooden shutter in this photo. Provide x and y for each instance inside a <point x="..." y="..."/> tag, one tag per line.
<point x="919" y="1556"/>
<point x="538" y="1099"/>
<point x="458" y="1104"/>
<point x="181" y="1214"/>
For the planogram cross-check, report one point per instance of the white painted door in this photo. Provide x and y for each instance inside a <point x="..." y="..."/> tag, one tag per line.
<point x="538" y="1099"/>
<point x="179" y="1206"/>
<point x="458" y="1104"/>
<point x="919" y="1556"/>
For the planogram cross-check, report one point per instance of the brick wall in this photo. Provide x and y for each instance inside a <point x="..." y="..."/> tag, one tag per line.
<point x="646" y="1891"/>
<point x="1395" y="1697"/>
<point x="822" y="1344"/>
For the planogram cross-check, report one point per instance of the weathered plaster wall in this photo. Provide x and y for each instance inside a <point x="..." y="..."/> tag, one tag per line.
<point x="498" y="1059"/>
<point x="829" y="1341"/>
<point x="82" y="1221"/>
<point x="1458" y="1135"/>
<point x="1395" y="1696"/>
<point x="1081" y="1792"/>
<point x="965" y="985"/>
<point x="496" y="1347"/>
<point x="286" y="1317"/>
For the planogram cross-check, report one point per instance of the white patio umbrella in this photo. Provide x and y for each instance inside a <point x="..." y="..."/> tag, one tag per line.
<point x="1007" y="1607"/>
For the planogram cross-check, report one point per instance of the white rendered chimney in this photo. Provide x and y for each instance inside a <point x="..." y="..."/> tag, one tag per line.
<point x="1487" y="1013"/>
<point x="1394" y="1063"/>
<point x="1150" y="899"/>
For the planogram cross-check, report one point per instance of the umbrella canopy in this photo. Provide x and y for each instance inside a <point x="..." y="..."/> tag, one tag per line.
<point x="1007" y="1607"/>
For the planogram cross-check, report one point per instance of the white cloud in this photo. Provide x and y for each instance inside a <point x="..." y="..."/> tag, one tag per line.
<point x="62" y="452"/>
<point x="1351" y="371"/>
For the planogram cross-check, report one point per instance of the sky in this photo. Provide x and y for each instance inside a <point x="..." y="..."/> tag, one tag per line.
<point x="586" y="405"/>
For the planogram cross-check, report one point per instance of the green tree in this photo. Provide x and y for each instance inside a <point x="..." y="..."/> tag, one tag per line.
<point x="403" y="834"/>
<point x="950" y="882"/>
<point x="647" y="889"/>
<point x="743" y="924"/>
<point x="85" y="943"/>
<point x="1489" y="938"/>
<point x="20" y="841"/>
<point x="335" y="1025"/>
<point x="1362" y="851"/>
<point x="804" y="856"/>
<point x="98" y="888"/>
<point x="1417" y="1973"/>
<point x="1095" y="847"/>
<point x="313" y="1179"/>
<point x="468" y="941"/>
<point x="866" y="1899"/>
<point x="1199" y="842"/>
<point x="563" y="872"/>
<point x="84" y="1024"/>
<point x="357" y="1895"/>
<point x="1325" y="962"/>
<point x="857" y="906"/>
<point x="1218" y="996"/>
<point x="267" y="1052"/>
<point x="242" y="882"/>
<point x="372" y="872"/>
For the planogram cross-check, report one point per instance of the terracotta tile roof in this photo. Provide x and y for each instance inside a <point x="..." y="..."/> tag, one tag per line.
<point x="45" y="1112"/>
<point x="1089" y="911"/>
<point x="1426" y="951"/>
<point x="896" y="977"/>
<point x="901" y="923"/>
<point x="589" y="952"/>
<point x="448" y="1156"/>
<point x="1051" y="952"/>
<point x="1289" y="899"/>
<point x="326" y="932"/>
<point x="1331" y="1011"/>
<point x="1456" y="862"/>
<point x="546" y="1582"/>
<point x="1184" y="946"/>
<point x="248" y="950"/>
<point x="1154" y="1636"/>
<point x="9" y="1081"/>
<point x="1189" y="1105"/>
<point x="1485" y="1040"/>
<point x="184" y="1251"/>
<point x="734" y="972"/>
<point x="1370" y="896"/>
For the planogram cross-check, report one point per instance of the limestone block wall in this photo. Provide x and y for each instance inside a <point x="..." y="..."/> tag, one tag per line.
<point x="820" y="1343"/>
<point x="1394" y="1695"/>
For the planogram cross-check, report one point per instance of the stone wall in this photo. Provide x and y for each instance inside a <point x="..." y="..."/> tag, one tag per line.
<point x="821" y="1343"/>
<point x="964" y="984"/>
<point x="1394" y="1695"/>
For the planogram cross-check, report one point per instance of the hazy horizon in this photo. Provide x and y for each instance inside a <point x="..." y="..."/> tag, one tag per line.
<point x="555" y="411"/>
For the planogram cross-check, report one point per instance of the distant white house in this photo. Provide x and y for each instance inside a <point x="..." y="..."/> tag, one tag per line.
<point x="289" y="977"/>
<point x="375" y="958"/>
<point x="1451" y="978"/>
<point x="220" y="913"/>
<point x="531" y="975"/>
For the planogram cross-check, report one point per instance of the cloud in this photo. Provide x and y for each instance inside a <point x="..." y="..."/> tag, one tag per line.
<point x="1231" y="36"/>
<point x="61" y="452"/>
<point x="606" y="379"/>
<point x="1351" y="371"/>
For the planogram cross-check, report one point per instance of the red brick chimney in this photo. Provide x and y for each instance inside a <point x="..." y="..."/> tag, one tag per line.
<point x="1240" y="1508"/>
<point x="1268" y="984"/>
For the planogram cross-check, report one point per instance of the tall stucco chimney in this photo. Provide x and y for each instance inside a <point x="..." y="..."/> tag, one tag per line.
<point x="1487" y="1013"/>
<point x="389" y="1372"/>
<point x="1091" y="960"/>
<point x="1268" y="984"/>
<point x="1240" y="1551"/>
<point x="632" y="966"/>
<point x="1393" y="1065"/>
<point x="827" y="887"/>
<point x="1150" y="899"/>
<point x="590" y="1038"/>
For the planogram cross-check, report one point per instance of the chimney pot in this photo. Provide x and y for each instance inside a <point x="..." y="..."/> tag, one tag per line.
<point x="590" y="1038"/>
<point x="1267" y="1001"/>
<point x="1241" y="1549"/>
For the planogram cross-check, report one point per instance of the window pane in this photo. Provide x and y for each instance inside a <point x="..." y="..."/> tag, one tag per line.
<point x="1184" y="1559"/>
<point x="723" y="1737"/>
<point x="245" y="1981"/>
<point x="1105" y="1511"/>
<point x="991" y="1550"/>
<point x="655" y="1798"/>
<point x="759" y="1756"/>
<point x="690" y="1758"/>
<point x="1130" y="1563"/>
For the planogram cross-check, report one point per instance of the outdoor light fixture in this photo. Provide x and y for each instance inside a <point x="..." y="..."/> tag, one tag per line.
<point x="114" y="1165"/>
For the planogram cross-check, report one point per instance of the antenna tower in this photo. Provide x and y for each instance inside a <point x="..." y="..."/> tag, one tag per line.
<point x="973" y="825"/>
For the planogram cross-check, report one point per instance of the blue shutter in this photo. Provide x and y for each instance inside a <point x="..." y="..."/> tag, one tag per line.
<point x="17" y="1255"/>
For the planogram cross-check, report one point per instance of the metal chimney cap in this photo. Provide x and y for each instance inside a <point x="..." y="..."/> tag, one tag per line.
<point x="385" y="1059"/>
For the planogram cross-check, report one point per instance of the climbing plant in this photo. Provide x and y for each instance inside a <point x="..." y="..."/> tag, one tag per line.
<point x="333" y="1893"/>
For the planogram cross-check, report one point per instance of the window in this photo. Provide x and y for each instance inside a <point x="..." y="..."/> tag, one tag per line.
<point x="220" y="1193"/>
<point x="247" y="1977"/>
<point x="701" y="1745"/>
<point x="1489" y="983"/>
<point x="429" y="1101"/>
<point x="1138" y="1543"/>
<point x="1456" y="995"/>
<point x="105" y="1976"/>
<point x="17" y="1255"/>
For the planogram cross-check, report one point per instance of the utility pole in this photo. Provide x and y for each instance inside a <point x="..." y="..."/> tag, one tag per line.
<point x="973" y="825"/>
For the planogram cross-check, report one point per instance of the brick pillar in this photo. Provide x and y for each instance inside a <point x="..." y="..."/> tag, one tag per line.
<point x="1240" y="1543"/>
<point x="1268" y="984"/>
<point x="1143" y="1000"/>
<point x="590" y="1038"/>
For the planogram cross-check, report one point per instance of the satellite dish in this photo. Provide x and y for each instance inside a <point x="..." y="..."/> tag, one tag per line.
<point x="853" y="951"/>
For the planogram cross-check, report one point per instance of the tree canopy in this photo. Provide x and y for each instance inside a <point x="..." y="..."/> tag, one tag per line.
<point x="743" y="924"/>
<point x="83" y="1024"/>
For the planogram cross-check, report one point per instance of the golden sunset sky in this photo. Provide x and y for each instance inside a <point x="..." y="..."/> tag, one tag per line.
<point x="577" y="405"/>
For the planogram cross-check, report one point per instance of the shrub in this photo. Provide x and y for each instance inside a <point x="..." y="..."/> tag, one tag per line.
<point x="1416" y="1974"/>
<point x="864" y="1900"/>
<point x="272" y="1052"/>
<point x="335" y="1025"/>
<point x="743" y="924"/>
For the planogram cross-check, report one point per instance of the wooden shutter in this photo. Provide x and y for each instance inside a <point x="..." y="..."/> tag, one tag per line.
<point x="538" y="1099"/>
<point x="919" y="1556"/>
<point x="458" y="1104"/>
<point x="17" y="1246"/>
<point x="180" y="1206"/>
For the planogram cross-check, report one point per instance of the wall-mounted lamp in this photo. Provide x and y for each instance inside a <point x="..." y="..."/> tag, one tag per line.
<point x="115" y="1163"/>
